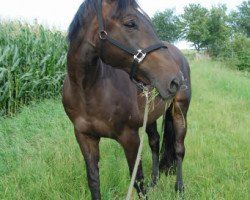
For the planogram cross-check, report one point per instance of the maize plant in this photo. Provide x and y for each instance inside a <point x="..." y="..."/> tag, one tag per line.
<point x="32" y="64"/>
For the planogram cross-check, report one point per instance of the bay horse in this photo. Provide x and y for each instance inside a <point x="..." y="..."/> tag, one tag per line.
<point x="101" y="95"/>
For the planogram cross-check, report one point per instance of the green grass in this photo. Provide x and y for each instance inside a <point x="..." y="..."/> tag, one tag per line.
<point x="40" y="159"/>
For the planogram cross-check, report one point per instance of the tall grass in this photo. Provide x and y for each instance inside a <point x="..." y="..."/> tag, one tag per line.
<point x="40" y="159"/>
<point x="32" y="64"/>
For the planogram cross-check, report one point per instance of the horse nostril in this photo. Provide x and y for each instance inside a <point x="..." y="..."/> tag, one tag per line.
<point x="174" y="86"/>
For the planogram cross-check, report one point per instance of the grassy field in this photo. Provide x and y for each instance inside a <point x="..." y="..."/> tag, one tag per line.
<point x="40" y="159"/>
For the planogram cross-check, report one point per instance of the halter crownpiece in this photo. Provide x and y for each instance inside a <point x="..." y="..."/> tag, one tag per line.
<point x="138" y="55"/>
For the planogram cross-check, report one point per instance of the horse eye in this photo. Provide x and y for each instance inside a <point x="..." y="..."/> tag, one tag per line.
<point x="130" y="24"/>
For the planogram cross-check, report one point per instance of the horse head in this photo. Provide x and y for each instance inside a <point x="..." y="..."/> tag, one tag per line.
<point x="126" y="37"/>
<point x="123" y="37"/>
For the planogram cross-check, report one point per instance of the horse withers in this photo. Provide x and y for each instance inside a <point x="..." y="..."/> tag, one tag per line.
<point x="112" y="46"/>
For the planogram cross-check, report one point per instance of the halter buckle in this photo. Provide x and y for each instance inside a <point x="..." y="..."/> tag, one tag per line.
<point x="103" y="35"/>
<point x="139" y="56"/>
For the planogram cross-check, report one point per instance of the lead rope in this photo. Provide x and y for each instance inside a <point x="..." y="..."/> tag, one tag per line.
<point x="139" y="154"/>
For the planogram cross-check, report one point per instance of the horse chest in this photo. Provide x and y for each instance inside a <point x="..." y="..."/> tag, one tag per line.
<point x="107" y="118"/>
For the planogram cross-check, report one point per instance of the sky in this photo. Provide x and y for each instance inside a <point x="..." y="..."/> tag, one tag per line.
<point x="59" y="13"/>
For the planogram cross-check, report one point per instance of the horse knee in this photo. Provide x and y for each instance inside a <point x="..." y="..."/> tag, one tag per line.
<point x="154" y="142"/>
<point x="180" y="150"/>
<point x="153" y="137"/>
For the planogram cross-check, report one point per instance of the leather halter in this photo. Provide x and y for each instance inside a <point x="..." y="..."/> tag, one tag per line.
<point x="138" y="55"/>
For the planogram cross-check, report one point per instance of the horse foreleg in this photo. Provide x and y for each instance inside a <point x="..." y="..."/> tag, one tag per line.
<point x="180" y="128"/>
<point x="130" y="142"/>
<point x="154" y="142"/>
<point x="90" y="150"/>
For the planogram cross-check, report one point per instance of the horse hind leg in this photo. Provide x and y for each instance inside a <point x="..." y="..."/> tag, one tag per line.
<point x="175" y="132"/>
<point x="168" y="154"/>
<point x="90" y="150"/>
<point x="180" y="127"/>
<point x="154" y="143"/>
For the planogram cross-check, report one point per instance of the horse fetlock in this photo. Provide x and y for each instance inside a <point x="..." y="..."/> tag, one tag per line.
<point x="179" y="186"/>
<point x="155" y="178"/>
<point x="155" y="173"/>
<point x="95" y="192"/>
<point x="139" y="186"/>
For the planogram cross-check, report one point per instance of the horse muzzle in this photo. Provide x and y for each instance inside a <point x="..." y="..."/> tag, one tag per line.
<point x="170" y="87"/>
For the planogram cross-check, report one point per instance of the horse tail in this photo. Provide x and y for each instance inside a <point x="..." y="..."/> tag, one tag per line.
<point x="168" y="153"/>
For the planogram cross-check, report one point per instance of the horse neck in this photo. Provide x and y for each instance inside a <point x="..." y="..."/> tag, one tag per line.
<point x="83" y="63"/>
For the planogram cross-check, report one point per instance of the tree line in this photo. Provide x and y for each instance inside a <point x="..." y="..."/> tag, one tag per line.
<point x="221" y="33"/>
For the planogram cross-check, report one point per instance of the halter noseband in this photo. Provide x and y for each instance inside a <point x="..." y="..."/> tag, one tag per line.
<point x="138" y="55"/>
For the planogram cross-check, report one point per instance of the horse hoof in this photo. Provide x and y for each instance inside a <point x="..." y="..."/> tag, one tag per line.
<point x="154" y="180"/>
<point x="143" y="196"/>
<point x="151" y="184"/>
<point x="179" y="187"/>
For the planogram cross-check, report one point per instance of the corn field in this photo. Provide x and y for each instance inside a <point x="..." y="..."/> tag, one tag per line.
<point x="32" y="64"/>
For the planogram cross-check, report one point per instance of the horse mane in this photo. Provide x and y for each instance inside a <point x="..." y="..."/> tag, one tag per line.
<point x="87" y="8"/>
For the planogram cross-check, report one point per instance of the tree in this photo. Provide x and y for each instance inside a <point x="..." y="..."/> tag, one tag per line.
<point x="241" y="49"/>
<point x="219" y="31"/>
<point x="240" y="19"/>
<point x="194" y="22"/>
<point x="167" y="25"/>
